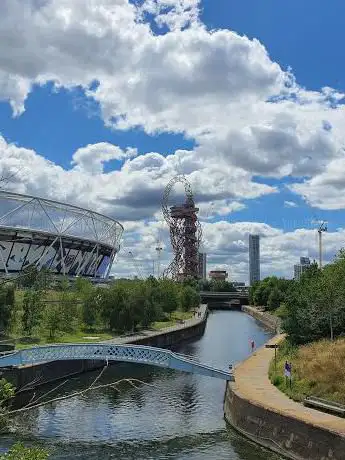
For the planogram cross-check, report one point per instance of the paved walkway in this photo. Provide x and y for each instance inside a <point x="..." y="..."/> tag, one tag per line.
<point x="151" y="332"/>
<point x="252" y="384"/>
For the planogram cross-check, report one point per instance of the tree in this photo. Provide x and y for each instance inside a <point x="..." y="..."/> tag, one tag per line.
<point x="6" y="306"/>
<point x="53" y="320"/>
<point x="222" y="286"/>
<point x="204" y="285"/>
<point x="166" y="296"/>
<point x="315" y="306"/>
<point x="189" y="298"/>
<point x="7" y="392"/>
<point x="82" y="286"/>
<point x="32" y="310"/>
<point x="28" y="277"/>
<point x="92" y="307"/>
<point x="19" y="452"/>
<point x="274" y="299"/>
<point x="114" y="301"/>
<point x="44" y="279"/>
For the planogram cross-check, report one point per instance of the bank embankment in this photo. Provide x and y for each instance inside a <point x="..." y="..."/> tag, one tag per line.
<point x="31" y="376"/>
<point x="270" y="321"/>
<point x="258" y="410"/>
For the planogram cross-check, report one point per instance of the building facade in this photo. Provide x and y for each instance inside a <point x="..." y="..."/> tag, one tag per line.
<point x="202" y="265"/>
<point x="254" y="259"/>
<point x="298" y="269"/>
<point x="218" y="275"/>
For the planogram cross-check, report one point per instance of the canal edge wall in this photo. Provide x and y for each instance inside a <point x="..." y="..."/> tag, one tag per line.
<point x="29" y="377"/>
<point x="278" y="428"/>
<point x="286" y="435"/>
<point x="273" y="323"/>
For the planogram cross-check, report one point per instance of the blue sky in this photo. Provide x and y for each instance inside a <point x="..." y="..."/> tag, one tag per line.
<point x="189" y="90"/>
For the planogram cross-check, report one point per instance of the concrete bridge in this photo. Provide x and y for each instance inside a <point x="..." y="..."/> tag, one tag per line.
<point x="225" y="300"/>
<point x="108" y="352"/>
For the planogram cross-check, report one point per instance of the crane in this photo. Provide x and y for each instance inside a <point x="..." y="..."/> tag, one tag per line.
<point x="140" y="275"/>
<point x="322" y="227"/>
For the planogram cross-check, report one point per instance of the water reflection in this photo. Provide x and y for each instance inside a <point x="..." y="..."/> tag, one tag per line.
<point x="171" y="415"/>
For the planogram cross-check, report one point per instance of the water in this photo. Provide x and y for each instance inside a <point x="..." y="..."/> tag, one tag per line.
<point x="170" y="416"/>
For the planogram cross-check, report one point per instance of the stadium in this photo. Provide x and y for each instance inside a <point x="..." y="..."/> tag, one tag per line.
<point x="65" y="239"/>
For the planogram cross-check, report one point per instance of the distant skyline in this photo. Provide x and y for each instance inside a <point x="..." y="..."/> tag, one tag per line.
<point x="102" y="102"/>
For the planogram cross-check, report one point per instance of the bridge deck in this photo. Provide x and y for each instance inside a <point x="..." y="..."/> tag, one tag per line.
<point x="111" y="352"/>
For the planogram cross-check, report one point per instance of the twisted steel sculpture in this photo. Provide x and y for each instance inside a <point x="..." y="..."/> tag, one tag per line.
<point x="185" y="232"/>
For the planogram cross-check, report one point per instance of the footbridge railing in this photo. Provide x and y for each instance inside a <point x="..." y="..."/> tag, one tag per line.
<point x="108" y="352"/>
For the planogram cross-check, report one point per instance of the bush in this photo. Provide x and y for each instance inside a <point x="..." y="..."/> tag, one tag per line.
<point x="277" y="380"/>
<point x="19" y="452"/>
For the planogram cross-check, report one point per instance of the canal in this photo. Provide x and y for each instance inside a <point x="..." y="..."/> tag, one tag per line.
<point x="170" y="416"/>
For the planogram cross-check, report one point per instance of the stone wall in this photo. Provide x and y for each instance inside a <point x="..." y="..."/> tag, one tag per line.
<point x="41" y="374"/>
<point x="285" y="435"/>
<point x="270" y="321"/>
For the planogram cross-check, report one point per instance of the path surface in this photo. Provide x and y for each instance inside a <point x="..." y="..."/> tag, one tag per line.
<point x="151" y="332"/>
<point x="252" y="384"/>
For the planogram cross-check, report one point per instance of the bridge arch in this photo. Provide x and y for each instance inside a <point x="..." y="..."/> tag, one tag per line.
<point x="140" y="354"/>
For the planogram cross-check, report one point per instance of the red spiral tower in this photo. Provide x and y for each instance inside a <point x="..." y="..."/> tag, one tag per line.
<point x="185" y="232"/>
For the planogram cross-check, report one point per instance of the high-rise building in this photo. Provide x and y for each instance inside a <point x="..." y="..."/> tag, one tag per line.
<point x="304" y="260"/>
<point x="202" y="265"/>
<point x="298" y="269"/>
<point x="254" y="259"/>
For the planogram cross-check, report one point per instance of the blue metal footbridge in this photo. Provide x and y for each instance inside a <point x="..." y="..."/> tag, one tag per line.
<point x="111" y="352"/>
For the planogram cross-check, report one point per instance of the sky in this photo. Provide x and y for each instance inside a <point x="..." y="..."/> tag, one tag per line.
<point x="102" y="102"/>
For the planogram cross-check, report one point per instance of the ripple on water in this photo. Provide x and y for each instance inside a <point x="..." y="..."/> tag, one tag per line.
<point x="172" y="416"/>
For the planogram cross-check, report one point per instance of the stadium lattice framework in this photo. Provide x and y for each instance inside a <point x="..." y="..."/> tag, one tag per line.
<point x="65" y="239"/>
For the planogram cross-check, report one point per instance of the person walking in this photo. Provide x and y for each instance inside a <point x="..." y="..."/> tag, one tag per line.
<point x="252" y="345"/>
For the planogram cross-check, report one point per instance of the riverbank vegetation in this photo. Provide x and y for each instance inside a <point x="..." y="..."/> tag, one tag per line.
<point x="312" y="312"/>
<point x="39" y="310"/>
<point x="20" y="452"/>
<point x="317" y="370"/>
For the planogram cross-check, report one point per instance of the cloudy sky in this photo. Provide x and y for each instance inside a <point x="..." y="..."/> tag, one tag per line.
<point x="102" y="102"/>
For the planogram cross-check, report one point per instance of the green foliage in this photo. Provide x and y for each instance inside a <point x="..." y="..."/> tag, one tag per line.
<point x="28" y="277"/>
<point x="92" y="307"/>
<point x="269" y="292"/>
<point x="221" y="286"/>
<point x="6" y="306"/>
<point x="189" y="298"/>
<point x="6" y="390"/>
<point x="315" y="306"/>
<point x="32" y="310"/>
<point x="72" y="310"/>
<point x="33" y="278"/>
<point x="82" y="286"/>
<point x="19" y="452"/>
<point x="274" y="299"/>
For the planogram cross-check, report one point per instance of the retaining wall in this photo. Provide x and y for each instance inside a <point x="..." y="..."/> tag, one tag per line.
<point x="270" y="321"/>
<point x="283" y="434"/>
<point x="40" y="374"/>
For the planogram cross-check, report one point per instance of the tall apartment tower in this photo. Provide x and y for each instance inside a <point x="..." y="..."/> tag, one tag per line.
<point x="298" y="269"/>
<point x="202" y="265"/>
<point x="254" y="259"/>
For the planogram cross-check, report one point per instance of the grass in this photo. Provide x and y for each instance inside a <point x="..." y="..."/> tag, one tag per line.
<point x="83" y="336"/>
<point x="76" y="337"/>
<point x="317" y="370"/>
<point x="175" y="316"/>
